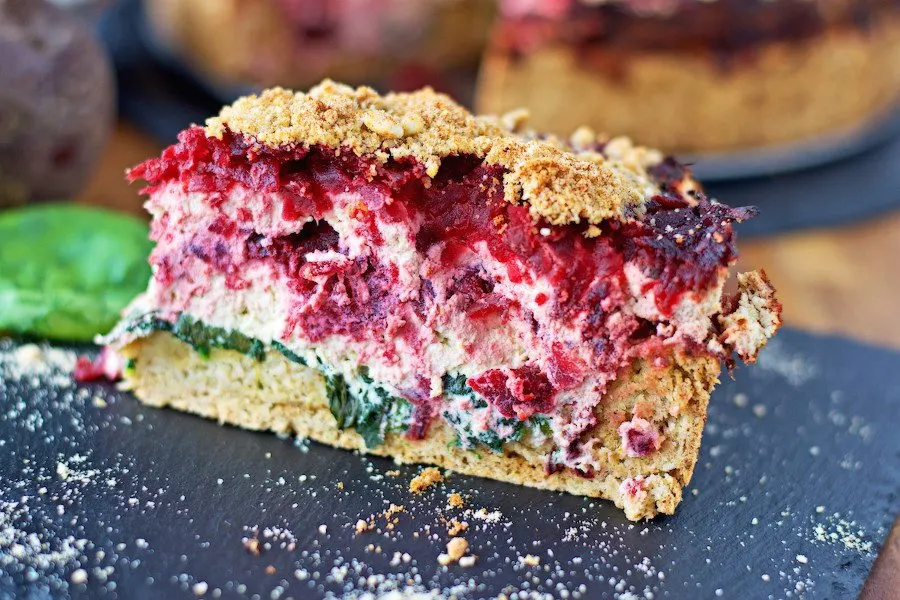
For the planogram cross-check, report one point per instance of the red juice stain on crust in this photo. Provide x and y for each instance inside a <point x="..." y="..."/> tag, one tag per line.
<point x="107" y="365"/>
<point x="518" y="393"/>
<point x="639" y="437"/>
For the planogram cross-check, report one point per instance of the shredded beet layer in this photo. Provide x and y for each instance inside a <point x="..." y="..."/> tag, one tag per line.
<point x="682" y="246"/>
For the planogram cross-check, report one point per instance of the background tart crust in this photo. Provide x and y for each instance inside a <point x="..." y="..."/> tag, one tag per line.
<point x="696" y="101"/>
<point x="238" y="44"/>
<point x="285" y="397"/>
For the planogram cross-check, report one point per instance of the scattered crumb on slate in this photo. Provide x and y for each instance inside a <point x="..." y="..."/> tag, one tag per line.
<point x="426" y="478"/>
<point x="456" y="549"/>
<point x="455" y="527"/>
<point x="455" y="500"/>
<point x="530" y="560"/>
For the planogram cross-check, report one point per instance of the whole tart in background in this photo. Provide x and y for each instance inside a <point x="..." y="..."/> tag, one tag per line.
<point x="696" y="76"/>
<point x="401" y="43"/>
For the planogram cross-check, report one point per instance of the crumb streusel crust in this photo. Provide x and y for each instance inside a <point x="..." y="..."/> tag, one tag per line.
<point x="562" y="183"/>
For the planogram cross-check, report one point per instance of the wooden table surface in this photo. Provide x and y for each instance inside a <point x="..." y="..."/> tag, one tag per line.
<point x="842" y="280"/>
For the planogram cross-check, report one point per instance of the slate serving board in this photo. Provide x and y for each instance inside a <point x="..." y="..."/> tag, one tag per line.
<point x="795" y="491"/>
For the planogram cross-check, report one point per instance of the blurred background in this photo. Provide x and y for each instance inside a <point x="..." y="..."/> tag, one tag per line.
<point x="793" y="106"/>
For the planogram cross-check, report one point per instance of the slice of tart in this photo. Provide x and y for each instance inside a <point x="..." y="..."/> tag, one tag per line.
<point x="394" y="275"/>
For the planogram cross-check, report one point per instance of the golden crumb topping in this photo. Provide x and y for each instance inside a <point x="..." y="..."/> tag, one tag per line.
<point x="562" y="182"/>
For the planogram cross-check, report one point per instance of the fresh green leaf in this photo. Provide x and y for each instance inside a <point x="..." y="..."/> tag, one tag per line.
<point x="67" y="271"/>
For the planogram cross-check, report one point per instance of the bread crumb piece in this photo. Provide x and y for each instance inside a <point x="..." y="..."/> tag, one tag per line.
<point x="253" y="546"/>
<point x="424" y="480"/>
<point x="456" y="549"/>
<point x="755" y="318"/>
<point x="455" y="500"/>
<point x="390" y="520"/>
<point x="270" y="570"/>
<point x="467" y="561"/>
<point x="392" y="473"/>
<point x="340" y="485"/>
<point x="530" y="560"/>
<point x="362" y="526"/>
<point x="456" y="527"/>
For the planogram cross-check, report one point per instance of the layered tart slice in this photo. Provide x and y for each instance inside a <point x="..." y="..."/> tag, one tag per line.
<point x="395" y="275"/>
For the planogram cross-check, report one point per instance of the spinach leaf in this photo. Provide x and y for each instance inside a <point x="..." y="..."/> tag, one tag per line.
<point x="339" y="401"/>
<point x="199" y="336"/>
<point x="288" y="354"/>
<point x="456" y="385"/>
<point x="67" y="271"/>
<point x="369" y="424"/>
<point x="202" y="338"/>
<point x="367" y="407"/>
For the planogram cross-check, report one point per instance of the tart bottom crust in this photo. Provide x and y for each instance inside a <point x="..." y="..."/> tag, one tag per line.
<point x="286" y="397"/>
<point x="693" y="102"/>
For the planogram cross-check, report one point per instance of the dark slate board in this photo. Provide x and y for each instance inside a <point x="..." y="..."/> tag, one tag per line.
<point x="796" y="488"/>
<point x="860" y="187"/>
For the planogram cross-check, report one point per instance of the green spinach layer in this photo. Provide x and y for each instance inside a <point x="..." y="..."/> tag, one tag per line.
<point x="360" y="403"/>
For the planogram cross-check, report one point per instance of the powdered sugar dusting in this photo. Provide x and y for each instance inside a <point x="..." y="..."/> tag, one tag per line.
<point x="36" y="365"/>
<point x="796" y="369"/>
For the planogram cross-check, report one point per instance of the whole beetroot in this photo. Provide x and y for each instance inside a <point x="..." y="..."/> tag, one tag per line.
<point x="56" y="102"/>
